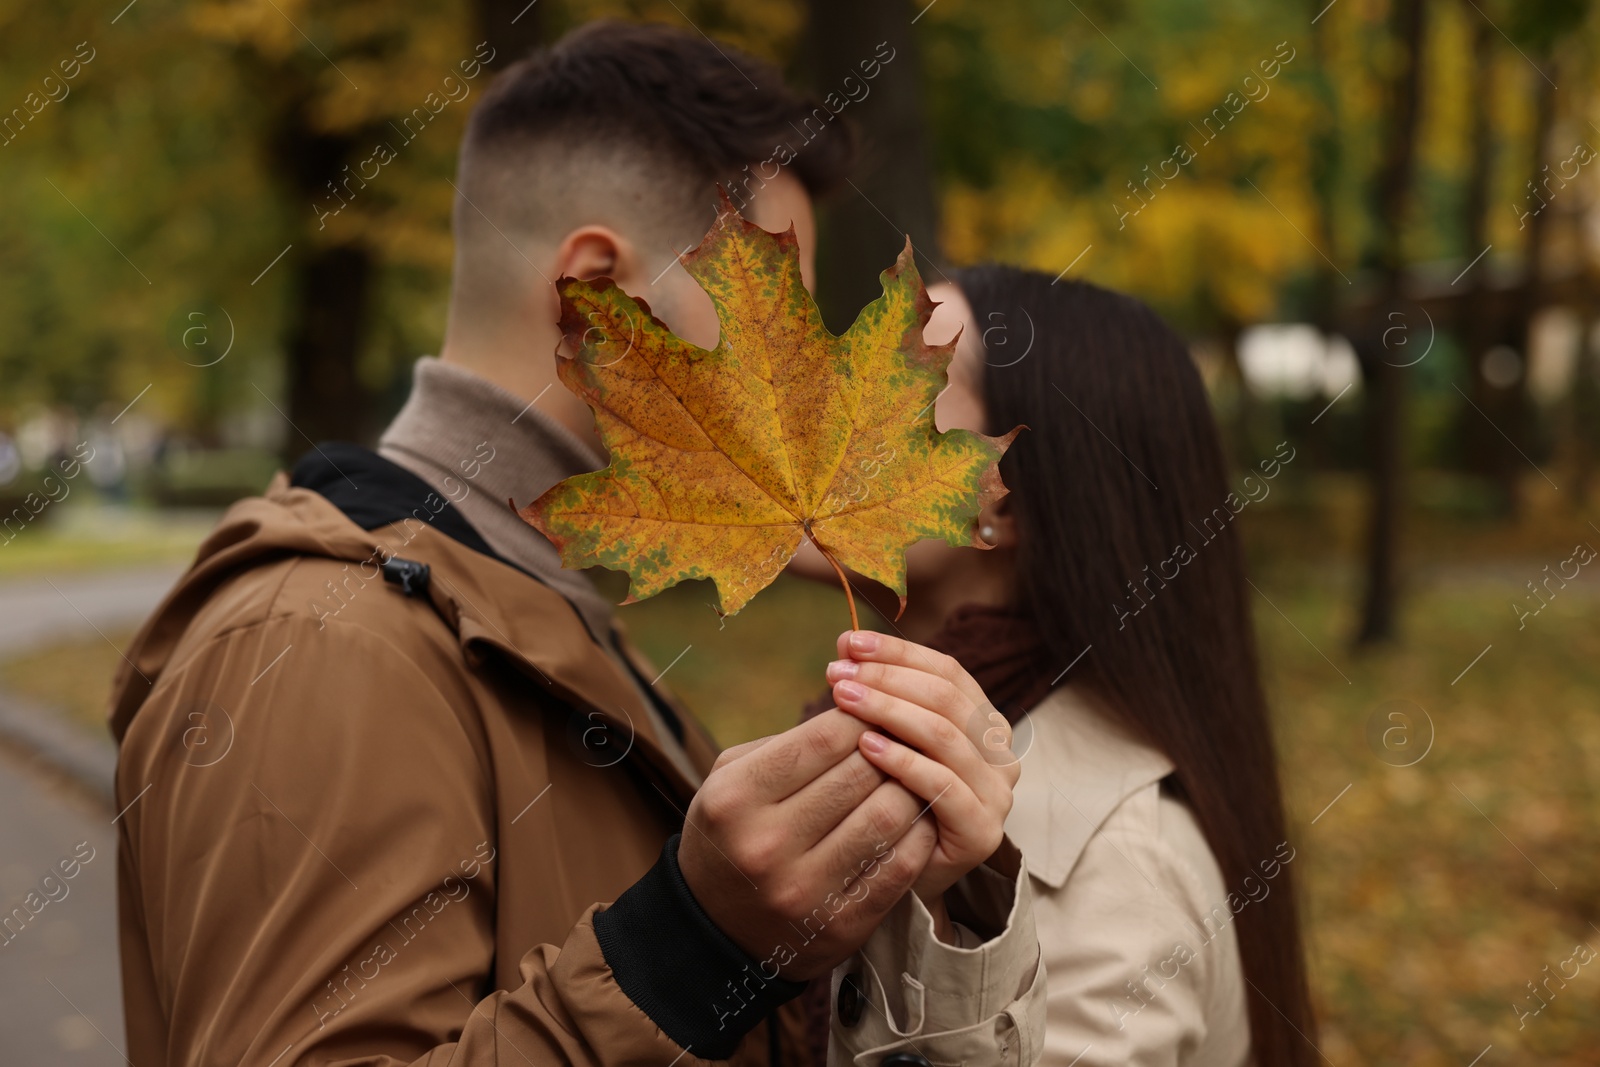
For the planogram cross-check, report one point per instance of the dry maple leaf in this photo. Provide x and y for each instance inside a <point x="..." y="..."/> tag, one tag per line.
<point x="722" y="461"/>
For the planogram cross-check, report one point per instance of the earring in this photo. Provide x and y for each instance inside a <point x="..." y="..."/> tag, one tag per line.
<point x="987" y="533"/>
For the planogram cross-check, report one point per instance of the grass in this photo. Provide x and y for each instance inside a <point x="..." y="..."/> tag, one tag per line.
<point x="71" y="677"/>
<point x="1433" y="892"/>
<point x="88" y="538"/>
<point x="748" y="675"/>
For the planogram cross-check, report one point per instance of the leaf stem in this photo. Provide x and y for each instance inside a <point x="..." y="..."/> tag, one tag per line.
<point x="849" y="598"/>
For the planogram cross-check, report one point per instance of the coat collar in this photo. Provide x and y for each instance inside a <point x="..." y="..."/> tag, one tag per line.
<point x="536" y="630"/>
<point x="1078" y="765"/>
<point x="386" y="498"/>
<point x="492" y="608"/>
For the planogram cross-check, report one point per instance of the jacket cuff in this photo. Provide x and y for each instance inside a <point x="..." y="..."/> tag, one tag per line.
<point x="950" y="1003"/>
<point x="672" y="961"/>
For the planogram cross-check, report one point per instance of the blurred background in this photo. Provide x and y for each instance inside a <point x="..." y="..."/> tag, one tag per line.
<point x="1376" y="220"/>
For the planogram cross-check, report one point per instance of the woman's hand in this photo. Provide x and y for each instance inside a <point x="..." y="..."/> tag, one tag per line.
<point x="939" y="736"/>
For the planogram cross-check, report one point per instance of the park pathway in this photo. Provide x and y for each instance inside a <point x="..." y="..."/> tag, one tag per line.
<point x="60" y="998"/>
<point x="37" y="611"/>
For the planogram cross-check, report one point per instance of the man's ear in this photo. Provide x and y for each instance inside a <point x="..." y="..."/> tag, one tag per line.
<point x="997" y="524"/>
<point x="592" y="251"/>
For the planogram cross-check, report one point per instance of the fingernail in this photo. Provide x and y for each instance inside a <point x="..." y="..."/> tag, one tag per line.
<point x="874" y="743"/>
<point x="850" y="691"/>
<point x="863" y="641"/>
<point x="842" y="668"/>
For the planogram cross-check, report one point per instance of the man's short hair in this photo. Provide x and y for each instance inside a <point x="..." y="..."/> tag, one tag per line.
<point x="631" y="125"/>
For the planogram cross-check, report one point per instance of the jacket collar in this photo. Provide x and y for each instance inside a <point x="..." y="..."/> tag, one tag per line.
<point x="379" y="495"/>
<point x="1078" y="765"/>
<point x="534" y="629"/>
<point x="492" y="608"/>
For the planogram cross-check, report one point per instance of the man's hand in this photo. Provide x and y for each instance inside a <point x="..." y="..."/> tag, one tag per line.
<point x="797" y="847"/>
<point x="939" y="736"/>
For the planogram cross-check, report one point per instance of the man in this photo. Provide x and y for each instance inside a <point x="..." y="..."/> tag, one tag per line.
<point x="381" y="757"/>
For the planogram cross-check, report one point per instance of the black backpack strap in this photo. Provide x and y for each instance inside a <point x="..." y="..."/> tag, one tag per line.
<point x="374" y="492"/>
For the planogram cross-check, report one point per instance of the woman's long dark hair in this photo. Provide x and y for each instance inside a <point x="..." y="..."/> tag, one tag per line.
<point x="1121" y="465"/>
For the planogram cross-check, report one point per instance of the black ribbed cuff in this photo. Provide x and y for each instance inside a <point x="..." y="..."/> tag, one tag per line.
<point x="680" y="969"/>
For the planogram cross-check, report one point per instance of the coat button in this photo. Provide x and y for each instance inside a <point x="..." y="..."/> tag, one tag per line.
<point x="851" y="1000"/>
<point x="903" y="1059"/>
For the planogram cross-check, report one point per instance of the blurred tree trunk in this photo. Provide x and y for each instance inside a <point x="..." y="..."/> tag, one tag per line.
<point x="1476" y="326"/>
<point x="1326" y="161"/>
<point x="1326" y="158"/>
<point x="861" y="230"/>
<point x="327" y="399"/>
<point x="332" y="280"/>
<point x="1246" y="411"/>
<point x="1585" y="410"/>
<point x="513" y="28"/>
<point x="1384" y="379"/>
<point x="1510" y="407"/>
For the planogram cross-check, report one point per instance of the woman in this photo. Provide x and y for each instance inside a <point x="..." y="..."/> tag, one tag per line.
<point x="1110" y="622"/>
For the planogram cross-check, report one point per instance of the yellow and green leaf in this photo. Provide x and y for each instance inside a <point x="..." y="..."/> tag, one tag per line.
<point x="724" y="461"/>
